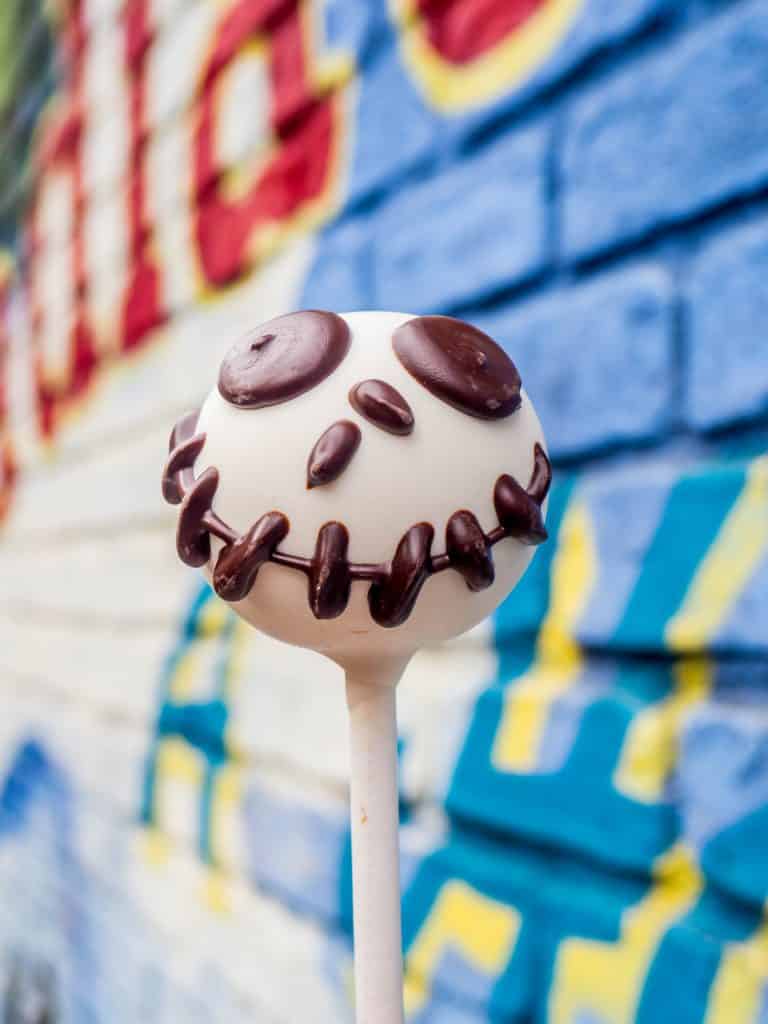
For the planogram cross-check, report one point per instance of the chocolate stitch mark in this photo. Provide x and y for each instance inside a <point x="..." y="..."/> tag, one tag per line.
<point x="395" y="585"/>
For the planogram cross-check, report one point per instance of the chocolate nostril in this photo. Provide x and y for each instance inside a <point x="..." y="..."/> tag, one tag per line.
<point x="383" y="406"/>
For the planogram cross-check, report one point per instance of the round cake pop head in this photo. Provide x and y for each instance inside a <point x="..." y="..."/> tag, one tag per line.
<point x="363" y="485"/>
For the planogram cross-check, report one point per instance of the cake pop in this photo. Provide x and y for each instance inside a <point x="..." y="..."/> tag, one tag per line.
<point x="365" y="485"/>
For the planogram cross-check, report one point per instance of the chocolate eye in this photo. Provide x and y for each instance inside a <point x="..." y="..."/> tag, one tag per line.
<point x="459" y="365"/>
<point x="283" y="358"/>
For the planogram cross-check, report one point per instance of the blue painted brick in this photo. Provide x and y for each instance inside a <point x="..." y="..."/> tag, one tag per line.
<point x="300" y="861"/>
<point x="354" y="28"/>
<point x="475" y="228"/>
<point x="390" y="131"/>
<point x="625" y="509"/>
<point x="341" y="275"/>
<point x="595" y="358"/>
<point x="675" y="134"/>
<point x="725" y="812"/>
<point x="727" y="347"/>
<point x="744" y="628"/>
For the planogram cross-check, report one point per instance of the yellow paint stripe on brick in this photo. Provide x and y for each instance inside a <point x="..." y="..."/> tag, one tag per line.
<point x="736" y="996"/>
<point x="212" y="617"/>
<point x="241" y="637"/>
<point x="650" y="747"/>
<point x="604" y="980"/>
<point x="182" y="681"/>
<point x="726" y="569"/>
<point x="176" y="759"/>
<point x="155" y="846"/>
<point x="483" y="931"/>
<point x="217" y="892"/>
<point x="528" y="702"/>
<point x="224" y="809"/>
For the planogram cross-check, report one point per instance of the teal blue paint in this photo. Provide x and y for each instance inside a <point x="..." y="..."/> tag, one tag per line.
<point x="607" y="720"/>
<point x="643" y="682"/>
<point x="578" y="805"/>
<point x="599" y="741"/>
<point x="692" y="519"/>
<point x="686" y="962"/>
<point x="518" y="618"/>
<point x="201" y="724"/>
<point x="206" y="813"/>
<point x="191" y="626"/>
<point x="736" y="858"/>
<point x="560" y="807"/>
<point x="554" y="895"/>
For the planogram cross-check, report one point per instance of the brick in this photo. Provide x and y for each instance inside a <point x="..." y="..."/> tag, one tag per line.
<point x="724" y="811"/>
<point x="589" y="28"/>
<point x="94" y="580"/>
<point x="351" y="28"/>
<point x="673" y="135"/>
<point x="475" y="228"/>
<point x="340" y="276"/>
<point x="726" y="378"/>
<point x="596" y="359"/>
<point x="625" y="510"/>
<point x="653" y="591"/>
<point x="742" y="630"/>
<point x="391" y="129"/>
<point x="300" y="863"/>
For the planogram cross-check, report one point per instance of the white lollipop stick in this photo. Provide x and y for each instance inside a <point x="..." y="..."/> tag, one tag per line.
<point x="375" y="850"/>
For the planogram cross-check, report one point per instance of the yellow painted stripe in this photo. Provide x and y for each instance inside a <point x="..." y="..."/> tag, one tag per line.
<point x="212" y="617"/>
<point x="217" y="892"/>
<point x="241" y="637"/>
<point x="182" y="681"/>
<point x="175" y="762"/>
<point x="176" y="759"/>
<point x="651" y="745"/>
<point x="483" y="931"/>
<point x="453" y="88"/>
<point x="528" y="702"/>
<point x="737" y="992"/>
<point x="225" y="799"/>
<point x="730" y="562"/>
<point x="155" y="846"/>
<point x="604" y="980"/>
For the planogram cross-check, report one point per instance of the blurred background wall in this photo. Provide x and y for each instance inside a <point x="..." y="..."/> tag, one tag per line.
<point x="585" y="777"/>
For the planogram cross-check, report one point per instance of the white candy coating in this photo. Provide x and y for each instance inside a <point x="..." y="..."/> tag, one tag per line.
<point x="451" y="461"/>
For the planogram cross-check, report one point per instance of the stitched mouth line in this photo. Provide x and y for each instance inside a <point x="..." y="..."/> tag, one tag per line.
<point x="395" y="585"/>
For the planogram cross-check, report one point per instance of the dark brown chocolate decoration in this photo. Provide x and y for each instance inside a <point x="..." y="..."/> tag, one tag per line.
<point x="460" y="365"/>
<point x="182" y="458"/>
<point x="519" y="511"/>
<point x="329" y="572"/>
<point x="394" y="586"/>
<point x="392" y="599"/>
<point x="184" y="429"/>
<point x="468" y="552"/>
<point x="382" y="405"/>
<point x="541" y="478"/>
<point x="193" y="541"/>
<point x="238" y="563"/>
<point x="283" y="358"/>
<point x="332" y="453"/>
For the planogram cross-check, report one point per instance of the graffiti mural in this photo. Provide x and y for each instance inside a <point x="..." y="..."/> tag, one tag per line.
<point x="584" y="780"/>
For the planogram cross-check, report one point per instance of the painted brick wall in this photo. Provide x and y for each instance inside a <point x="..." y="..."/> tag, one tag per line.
<point x="584" y="777"/>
